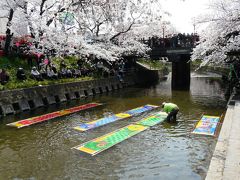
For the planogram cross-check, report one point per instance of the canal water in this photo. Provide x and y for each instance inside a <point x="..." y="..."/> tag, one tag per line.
<point x="166" y="151"/>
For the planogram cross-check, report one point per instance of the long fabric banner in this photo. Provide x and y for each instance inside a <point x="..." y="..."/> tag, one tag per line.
<point x="104" y="142"/>
<point x="45" y="117"/>
<point x="207" y="125"/>
<point x="106" y="120"/>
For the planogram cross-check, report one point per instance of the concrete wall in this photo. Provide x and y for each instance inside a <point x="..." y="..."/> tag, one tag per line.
<point x="16" y="101"/>
<point x="146" y="76"/>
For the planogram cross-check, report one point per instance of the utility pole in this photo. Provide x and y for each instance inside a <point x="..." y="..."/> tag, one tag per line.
<point x="163" y="31"/>
<point x="164" y="23"/>
<point x="194" y="26"/>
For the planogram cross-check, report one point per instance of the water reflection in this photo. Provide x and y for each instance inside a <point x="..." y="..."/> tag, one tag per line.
<point x="166" y="151"/>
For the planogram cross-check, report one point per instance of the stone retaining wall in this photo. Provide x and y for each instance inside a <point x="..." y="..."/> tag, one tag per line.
<point x="16" y="101"/>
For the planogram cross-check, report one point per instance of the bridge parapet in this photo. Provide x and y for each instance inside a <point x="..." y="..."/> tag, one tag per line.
<point x="173" y="54"/>
<point x="180" y="44"/>
<point x="177" y="40"/>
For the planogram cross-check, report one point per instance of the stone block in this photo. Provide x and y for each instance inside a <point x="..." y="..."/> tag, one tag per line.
<point x="38" y="102"/>
<point x="120" y="86"/>
<point x="131" y="82"/>
<point x="90" y="84"/>
<point x="96" y="90"/>
<point x="7" y="109"/>
<point x="108" y="88"/>
<point x="67" y="95"/>
<point x="16" y="107"/>
<point x="88" y="92"/>
<point x="102" y="89"/>
<point x="72" y="96"/>
<point x="60" y="98"/>
<point x="77" y="94"/>
<point x="117" y="86"/>
<point x="31" y="104"/>
<point x="82" y="94"/>
<point x="24" y="106"/>
<point x="51" y="100"/>
<point x="114" y="87"/>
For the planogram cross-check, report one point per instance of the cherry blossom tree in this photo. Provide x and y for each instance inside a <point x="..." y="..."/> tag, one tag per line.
<point x="118" y="24"/>
<point x="107" y="29"/>
<point x="9" y="8"/>
<point x="222" y="35"/>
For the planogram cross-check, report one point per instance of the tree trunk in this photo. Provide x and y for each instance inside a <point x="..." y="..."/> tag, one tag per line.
<point x="8" y="33"/>
<point x="122" y="32"/>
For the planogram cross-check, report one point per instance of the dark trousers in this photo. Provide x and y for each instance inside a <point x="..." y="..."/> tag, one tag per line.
<point x="172" y="116"/>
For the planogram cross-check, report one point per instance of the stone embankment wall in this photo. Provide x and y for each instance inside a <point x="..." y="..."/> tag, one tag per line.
<point x="16" y="101"/>
<point x="19" y="100"/>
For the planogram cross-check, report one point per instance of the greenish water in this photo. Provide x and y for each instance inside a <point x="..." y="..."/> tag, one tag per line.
<point x="166" y="151"/>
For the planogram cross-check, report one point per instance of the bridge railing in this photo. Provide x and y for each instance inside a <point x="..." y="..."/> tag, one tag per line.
<point x="177" y="41"/>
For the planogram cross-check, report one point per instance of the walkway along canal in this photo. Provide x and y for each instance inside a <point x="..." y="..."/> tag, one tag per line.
<point x="166" y="151"/>
<point x="225" y="163"/>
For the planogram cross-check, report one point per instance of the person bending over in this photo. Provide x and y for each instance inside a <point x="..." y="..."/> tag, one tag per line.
<point x="172" y="110"/>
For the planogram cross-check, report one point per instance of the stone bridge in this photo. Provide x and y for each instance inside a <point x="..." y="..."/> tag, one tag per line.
<point x="176" y="49"/>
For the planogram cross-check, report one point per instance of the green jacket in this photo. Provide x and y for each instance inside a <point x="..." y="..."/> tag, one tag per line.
<point x="168" y="107"/>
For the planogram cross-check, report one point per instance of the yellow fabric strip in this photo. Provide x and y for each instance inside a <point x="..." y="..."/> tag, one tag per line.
<point x="86" y="150"/>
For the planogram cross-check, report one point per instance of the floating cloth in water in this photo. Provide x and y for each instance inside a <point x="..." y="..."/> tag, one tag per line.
<point x="45" y="117"/>
<point x="207" y="125"/>
<point x="153" y="120"/>
<point x="113" y="118"/>
<point x="104" y="142"/>
<point x="140" y="110"/>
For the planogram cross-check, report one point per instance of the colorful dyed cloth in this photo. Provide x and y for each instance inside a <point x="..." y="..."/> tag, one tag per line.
<point x="207" y="125"/>
<point x="113" y="118"/>
<point x="104" y="142"/>
<point x="45" y="117"/>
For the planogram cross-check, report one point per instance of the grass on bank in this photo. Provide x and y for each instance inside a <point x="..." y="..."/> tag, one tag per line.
<point x="12" y="64"/>
<point x="156" y="64"/>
